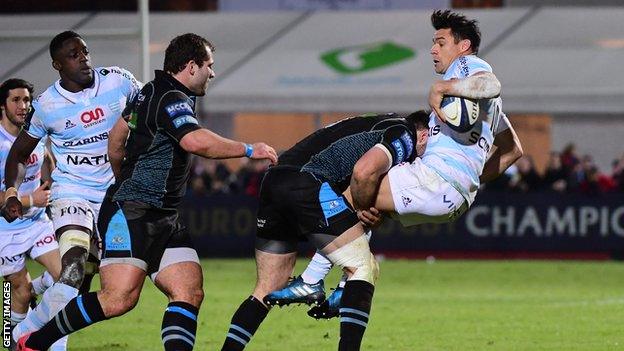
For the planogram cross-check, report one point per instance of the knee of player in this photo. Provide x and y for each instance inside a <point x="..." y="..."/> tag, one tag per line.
<point x="357" y="261"/>
<point x="194" y="296"/>
<point x="116" y="303"/>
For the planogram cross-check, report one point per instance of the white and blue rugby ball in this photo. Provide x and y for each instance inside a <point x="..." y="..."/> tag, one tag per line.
<point x="461" y="113"/>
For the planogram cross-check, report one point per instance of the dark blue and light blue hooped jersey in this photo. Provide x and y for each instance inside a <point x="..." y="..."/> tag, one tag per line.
<point x="331" y="153"/>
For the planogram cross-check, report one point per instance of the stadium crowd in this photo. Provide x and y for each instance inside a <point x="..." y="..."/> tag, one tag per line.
<point x="566" y="172"/>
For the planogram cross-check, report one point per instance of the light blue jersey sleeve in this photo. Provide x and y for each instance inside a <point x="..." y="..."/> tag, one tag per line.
<point x="34" y="124"/>
<point x="466" y="66"/>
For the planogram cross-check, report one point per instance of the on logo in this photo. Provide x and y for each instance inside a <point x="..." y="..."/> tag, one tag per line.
<point x="32" y="159"/>
<point x="90" y="116"/>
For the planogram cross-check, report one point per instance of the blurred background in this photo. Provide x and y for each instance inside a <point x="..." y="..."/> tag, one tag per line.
<point x="287" y="67"/>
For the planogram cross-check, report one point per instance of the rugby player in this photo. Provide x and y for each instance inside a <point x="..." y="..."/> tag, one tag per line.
<point x="76" y="113"/>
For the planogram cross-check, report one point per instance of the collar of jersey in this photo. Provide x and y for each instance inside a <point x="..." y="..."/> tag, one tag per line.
<point x="162" y="75"/>
<point x="75" y="97"/>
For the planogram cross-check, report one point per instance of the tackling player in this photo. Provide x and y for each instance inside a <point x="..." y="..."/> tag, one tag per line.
<point x="76" y="113"/>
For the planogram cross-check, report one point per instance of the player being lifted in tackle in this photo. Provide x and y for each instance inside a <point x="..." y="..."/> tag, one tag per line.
<point x="453" y="165"/>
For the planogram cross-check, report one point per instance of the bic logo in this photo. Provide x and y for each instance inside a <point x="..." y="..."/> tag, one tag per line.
<point x="93" y="115"/>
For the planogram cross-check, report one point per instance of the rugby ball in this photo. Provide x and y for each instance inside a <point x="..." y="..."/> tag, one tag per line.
<point x="461" y="113"/>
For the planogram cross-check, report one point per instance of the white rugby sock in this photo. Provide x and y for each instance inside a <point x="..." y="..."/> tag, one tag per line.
<point x="59" y="345"/>
<point x="42" y="282"/>
<point x="317" y="269"/>
<point x="17" y="317"/>
<point x="53" y="300"/>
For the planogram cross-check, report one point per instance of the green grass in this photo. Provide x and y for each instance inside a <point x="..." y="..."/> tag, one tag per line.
<point x="447" y="305"/>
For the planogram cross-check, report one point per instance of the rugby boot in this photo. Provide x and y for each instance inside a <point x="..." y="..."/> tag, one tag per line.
<point x="297" y="291"/>
<point x="328" y="309"/>
<point x="21" y="343"/>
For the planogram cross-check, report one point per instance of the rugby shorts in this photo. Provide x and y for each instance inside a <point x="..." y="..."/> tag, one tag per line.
<point x="295" y="204"/>
<point x="81" y="212"/>
<point x="33" y="241"/>
<point x="421" y="196"/>
<point x="144" y="236"/>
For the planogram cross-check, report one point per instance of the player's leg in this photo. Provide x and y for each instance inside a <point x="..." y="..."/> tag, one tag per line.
<point x="20" y="289"/>
<point x="122" y="275"/>
<point x="178" y="274"/>
<point x="275" y="261"/>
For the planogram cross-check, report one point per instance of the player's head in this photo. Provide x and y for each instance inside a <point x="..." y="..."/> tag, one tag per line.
<point x="70" y="56"/>
<point x="455" y="36"/>
<point x="15" y="98"/>
<point x="420" y="121"/>
<point x="189" y="58"/>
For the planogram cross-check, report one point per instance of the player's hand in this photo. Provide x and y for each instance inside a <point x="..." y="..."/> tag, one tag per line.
<point x="262" y="151"/>
<point x="12" y="209"/>
<point x="370" y="218"/>
<point x="41" y="195"/>
<point x="435" y="99"/>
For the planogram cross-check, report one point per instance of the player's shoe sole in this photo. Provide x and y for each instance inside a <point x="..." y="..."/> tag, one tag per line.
<point x="328" y="309"/>
<point x="297" y="291"/>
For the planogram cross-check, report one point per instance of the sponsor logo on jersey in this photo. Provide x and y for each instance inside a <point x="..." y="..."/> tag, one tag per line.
<point x="78" y="160"/>
<point x="408" y="142"/>
<point x="88" y="140"/>
<point x="398" y="148"/>
<point x="179" y="108"/>
<point x="69" y="124"/>
<point x="32" y="160"/>
<point x="261" y="222"/>
<point x="180" y="121"/>
<point x="463" y="66"/>
<point x="92" y="117"/>
<point x="104" y="71"/>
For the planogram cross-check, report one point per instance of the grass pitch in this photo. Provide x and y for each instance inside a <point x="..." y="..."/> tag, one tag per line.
<point x="446" y="305"/>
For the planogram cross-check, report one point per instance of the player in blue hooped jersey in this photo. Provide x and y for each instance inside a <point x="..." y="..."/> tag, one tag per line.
<point x="76" y="113"/>
<point x="33" y="234"/>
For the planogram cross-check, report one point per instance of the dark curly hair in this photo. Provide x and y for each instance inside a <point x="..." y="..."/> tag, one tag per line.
<point x="13" y="83"/>
<point x="461" y="27"/>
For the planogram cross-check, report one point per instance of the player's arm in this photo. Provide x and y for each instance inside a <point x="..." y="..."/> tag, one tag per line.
<point x="206" y="143"/>
<point x="481" y="85"/>
<point x="117" y="145"/>
<point x="508" y="150"/>
<point x="177" y="118"/>
<point x="47" y="167"/>
<point x="366" y="174"/>
<point x="14" y="172"/>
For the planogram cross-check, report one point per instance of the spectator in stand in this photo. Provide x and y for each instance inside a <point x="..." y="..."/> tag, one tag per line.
<point x="555" y="175"/>
<point x="528" y="180"/>
<point x="250" y="176"/>
<point x="569" y="158"/>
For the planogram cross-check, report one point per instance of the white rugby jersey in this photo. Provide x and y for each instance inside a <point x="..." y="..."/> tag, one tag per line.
<point x="459" y="157"/>
<point x="78" y="125"/>
<point x="32" y="180"/>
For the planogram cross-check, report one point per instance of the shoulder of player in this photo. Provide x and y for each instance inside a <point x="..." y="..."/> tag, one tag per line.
<point x="173" y="102"/>
<point x="114" y="72"/>
<point x="465" y="66"/>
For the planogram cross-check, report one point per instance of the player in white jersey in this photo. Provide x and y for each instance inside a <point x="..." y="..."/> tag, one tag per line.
<point x="33" y="235"/>
<point x="76" y="113"/>
<point x="441" y="185"/>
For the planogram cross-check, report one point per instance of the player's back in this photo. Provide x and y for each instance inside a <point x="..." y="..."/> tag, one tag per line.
<point x="331" y="152"/>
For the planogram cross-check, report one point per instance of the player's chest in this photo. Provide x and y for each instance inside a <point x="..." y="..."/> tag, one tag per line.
<point x="79" y="120"/>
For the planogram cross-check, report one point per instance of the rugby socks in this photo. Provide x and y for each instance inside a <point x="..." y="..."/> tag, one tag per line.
<point x="16" y="318"/>
<point x="355" y="307"/>
<point x="52" y="301"/>
<point x="42" y="282"/>
<point x="317" y="269"/>
<point x="79" y="313"/>
<point x="179" y="326"/>
<point x="245" y="322"/>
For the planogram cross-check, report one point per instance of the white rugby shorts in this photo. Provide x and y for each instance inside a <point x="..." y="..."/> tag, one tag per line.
<point x="75" y="211"/>
<point x="33" y="241"/>
<point x="421" y="196"/>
